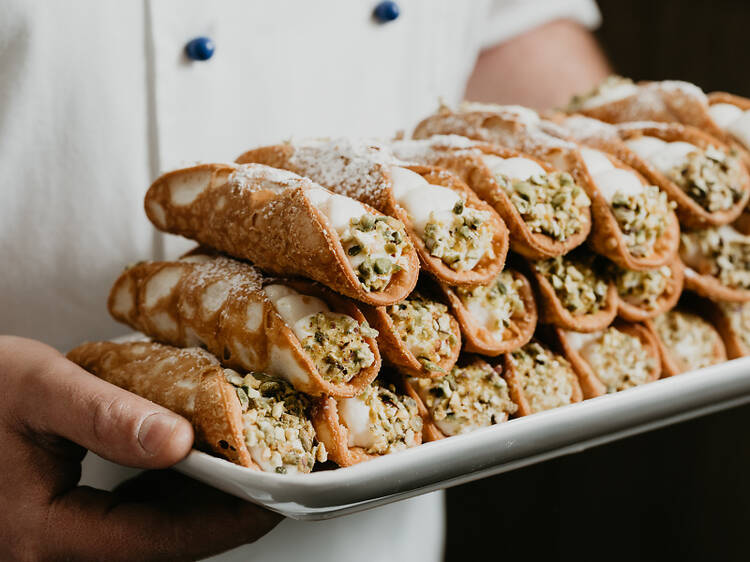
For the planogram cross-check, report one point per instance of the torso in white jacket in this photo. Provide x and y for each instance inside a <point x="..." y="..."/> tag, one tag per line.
<point x="97" y="97"/>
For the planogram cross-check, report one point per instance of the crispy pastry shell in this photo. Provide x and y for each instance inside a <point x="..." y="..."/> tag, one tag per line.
<point x="591" y="384"/>
<point x="189" y="382"/>
<point x="279" y="230"/>
<point x="478" y="339"/>
<point x="667" y="300"/>
<point x="244" y="340"/>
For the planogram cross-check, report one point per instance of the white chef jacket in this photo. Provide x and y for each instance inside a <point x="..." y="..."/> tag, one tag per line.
<point x="97" y="97"/>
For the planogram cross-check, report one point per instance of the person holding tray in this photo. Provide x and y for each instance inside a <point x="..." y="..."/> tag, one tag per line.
<point x="96" y="100"/>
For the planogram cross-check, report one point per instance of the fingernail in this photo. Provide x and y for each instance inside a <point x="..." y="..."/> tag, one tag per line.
<point x="155" y="430"/>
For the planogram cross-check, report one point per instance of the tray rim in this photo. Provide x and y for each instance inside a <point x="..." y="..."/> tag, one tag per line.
<point x="558" y="432"/>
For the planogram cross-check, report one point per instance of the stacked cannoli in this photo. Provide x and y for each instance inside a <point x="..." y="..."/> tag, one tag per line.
<point x="352" y="298"/>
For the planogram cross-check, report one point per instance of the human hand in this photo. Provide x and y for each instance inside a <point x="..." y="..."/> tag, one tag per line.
<point x="51" y="412"/>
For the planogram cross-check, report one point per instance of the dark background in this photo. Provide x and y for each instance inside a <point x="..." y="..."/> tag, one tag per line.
<point x="681" y="493"/>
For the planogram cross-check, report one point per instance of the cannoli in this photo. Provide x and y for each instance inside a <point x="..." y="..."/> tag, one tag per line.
<point x="546" y="211"/>
<point x="686" y="342"/>
<point x="288" y="225"/>
<point x="732" y="115"/>
<point x="540" y="379"/>
<point x="473" y="395"/>
<point x="317" y="340"/>
<point x="732" y="320"/>
<point x="703" y="176"/>
<point x="622" y="356"/>
<point x="575" y="292"/>
<point x="717" y="263"/>
<point x="619" y="100"/>
<point x="379" y="421"/>
<point x="510" y="126"/>
<point x="418" y="335"/>
<point x="254" y="420"/>
<point x="460" y="239"/>
<point x="495" y="318"/>
<point x="634" y="222"/>
<point x="646" y="294"/>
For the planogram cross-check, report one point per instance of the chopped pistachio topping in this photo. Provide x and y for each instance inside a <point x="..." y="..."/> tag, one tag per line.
<point x="394" y="420"/>
<point x="712" y="178"/>
<point x="739" y="320"/>
<point x="581" y="288"/>
<point x="337" y="345"/>
<point x="461" y="237"/>
<point x="642" y="218"/>
<point x="466" y="399"/>
<point x="642" y="288"/>
<point x="610" y="83"/>
<point x="551" y="204"/>
<point x="720" y="252"/>
<point x="424" y="326"/>
<point x="278" y="430"/>
<point x="689" y="339"/>
<point x="375" y="246"/>
<point x="494" y="305"/>
<point x="619" y="360"/>
<point x="545" y="377"/>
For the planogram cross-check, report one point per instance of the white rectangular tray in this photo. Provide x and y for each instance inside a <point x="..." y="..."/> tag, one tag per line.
<point x="489" y="451"/>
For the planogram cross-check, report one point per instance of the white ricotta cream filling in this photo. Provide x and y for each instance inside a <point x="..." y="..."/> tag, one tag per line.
<point x="422" y="201"/>
<point x="608" y="178"/>
<point x="733" y="119"/>
<point x="514" y="168"/>
<point x="578" y="340"/>
<point x="661" y="154"/>
<point x="610" y="94"/>
<point x="294" y="308"/>
<point x="356" y="417"/>
<point x="340" y="210"/>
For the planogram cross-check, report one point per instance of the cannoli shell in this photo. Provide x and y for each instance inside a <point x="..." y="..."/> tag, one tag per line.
<point x="607" y="239"/>
<point x="742" y="103"/>
<point x="690" y="213"/>
<point x="372" y="185"/>
<point x="667" y="300"/>
<point x="468" y="166"/>
<point x="733" y="344"/>
<point x="590" y="383"/>
<point x="710" y="287"/>
<point x="479" y="340"/>
<point x="263" y="215"/>
<point x="430" y="430"/>
<point x="332" y="432"/>
<point x="190" y="382"/>
<point x="518" y="395"/>
<point x="398" y="355"/>
<point x="219" y="304"/>
<point x="552" y="311"/>
<point x="652" y="102"/>
<point x="670" y="365"/>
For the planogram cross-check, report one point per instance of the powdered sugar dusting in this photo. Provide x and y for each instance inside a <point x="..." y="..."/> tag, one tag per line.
<point x="256" y="177"/>
<point x="686" y="88"/>
<point x="242" y="277"/>
<point x="427" y="150"/>
<point x="352" y="167"/>
<point x="585" y="128"/>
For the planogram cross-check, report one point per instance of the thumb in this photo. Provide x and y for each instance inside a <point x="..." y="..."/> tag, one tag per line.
<point x="62" y="399"/>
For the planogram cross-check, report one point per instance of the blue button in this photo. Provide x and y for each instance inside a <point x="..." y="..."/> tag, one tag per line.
<point x="200" y="48"/>
<point x="386" y="11"/>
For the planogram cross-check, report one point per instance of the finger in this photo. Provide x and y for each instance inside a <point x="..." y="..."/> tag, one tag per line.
<point x="190" y="521"/>
<point x="55" y="396"/>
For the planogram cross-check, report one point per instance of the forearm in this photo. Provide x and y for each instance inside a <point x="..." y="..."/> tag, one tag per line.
<point x="541" y="68"/>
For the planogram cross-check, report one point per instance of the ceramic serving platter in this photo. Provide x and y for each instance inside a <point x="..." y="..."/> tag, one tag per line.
<point x="493" y="450"/>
